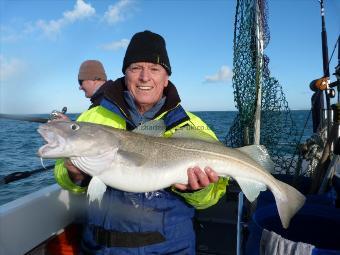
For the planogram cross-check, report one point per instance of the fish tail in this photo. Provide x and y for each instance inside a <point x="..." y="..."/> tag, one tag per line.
<point x="288" y="202"/>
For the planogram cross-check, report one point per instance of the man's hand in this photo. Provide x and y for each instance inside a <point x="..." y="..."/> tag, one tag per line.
<point x="197" y="179"/>
<point x="75" y="174"/>
<point x="60" y="116"/>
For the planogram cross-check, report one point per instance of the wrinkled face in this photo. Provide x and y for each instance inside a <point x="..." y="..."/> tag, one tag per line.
<point x="146" y="82"/>
<point x="75" y="139"/>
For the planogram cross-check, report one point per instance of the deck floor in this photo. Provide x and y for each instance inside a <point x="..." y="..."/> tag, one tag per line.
<point x="216" y="227"/>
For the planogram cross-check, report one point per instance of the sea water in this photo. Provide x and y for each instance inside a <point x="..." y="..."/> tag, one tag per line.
<point x="20" y="141"/>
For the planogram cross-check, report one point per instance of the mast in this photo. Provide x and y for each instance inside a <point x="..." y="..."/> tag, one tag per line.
<point x="259" y="67"/>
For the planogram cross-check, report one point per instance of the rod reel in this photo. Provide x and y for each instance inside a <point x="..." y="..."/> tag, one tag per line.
<point x="55" y="113"/>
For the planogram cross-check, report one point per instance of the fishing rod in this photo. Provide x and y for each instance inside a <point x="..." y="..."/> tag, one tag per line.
<point x="325" y="61"/>
<point x="23" y="118"/>
<point x="332" y="126"/>
<point x="53" y="115"/>
<point x="323" y="84"/>
<point x="22" y="175"/>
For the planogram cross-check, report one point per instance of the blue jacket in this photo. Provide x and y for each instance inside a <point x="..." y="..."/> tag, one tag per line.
<point x="163" y="211"/>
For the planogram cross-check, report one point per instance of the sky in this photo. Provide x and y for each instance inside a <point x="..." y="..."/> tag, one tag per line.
<point x="43" y="43"/>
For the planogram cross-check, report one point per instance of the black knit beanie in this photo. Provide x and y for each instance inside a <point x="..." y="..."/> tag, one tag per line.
<point x="147" y="47"/>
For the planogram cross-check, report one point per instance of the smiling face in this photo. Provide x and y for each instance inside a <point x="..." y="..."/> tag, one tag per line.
<point x="146" y="82"/>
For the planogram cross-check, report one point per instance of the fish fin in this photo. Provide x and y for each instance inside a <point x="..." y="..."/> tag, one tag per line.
<point x="96" y="189"/>
<point x="250" y="188"/>
<point x="288" y="202"/>
<point x="192" y="133"/>
<point x="154" y="128"/>
<point x="95" y="164"/>
<point x="260" y="154"/>
<point x="130" y="158"/>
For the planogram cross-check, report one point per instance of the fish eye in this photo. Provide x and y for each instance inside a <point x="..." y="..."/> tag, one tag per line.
<point x="75" y="127"/>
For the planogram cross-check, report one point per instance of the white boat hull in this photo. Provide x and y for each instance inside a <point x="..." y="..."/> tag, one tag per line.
<point x="32" y="219"/>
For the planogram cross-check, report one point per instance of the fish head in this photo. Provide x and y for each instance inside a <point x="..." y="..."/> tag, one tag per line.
<point x="75" y="139"/>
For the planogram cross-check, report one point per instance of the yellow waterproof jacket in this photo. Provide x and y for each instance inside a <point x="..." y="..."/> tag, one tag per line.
<point x="199" y="199"/>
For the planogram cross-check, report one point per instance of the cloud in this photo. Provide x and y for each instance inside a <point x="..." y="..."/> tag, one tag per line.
<point x="116" y="45"/>
<point x="225" y="74"/>
<point x="10" y="68"/>
<point x="50" y="28"/>
<point x="118" y="12"/>
<point x="8" y="35"/>
<point x="80" y="11"/>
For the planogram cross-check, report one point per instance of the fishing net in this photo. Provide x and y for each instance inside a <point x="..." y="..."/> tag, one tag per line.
<point x="278" y="131"/>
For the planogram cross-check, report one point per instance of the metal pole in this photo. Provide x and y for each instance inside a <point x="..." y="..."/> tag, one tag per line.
<point x="325" y="61"/>
<point x="337" y="70"/>
<point x="259" y="65"/>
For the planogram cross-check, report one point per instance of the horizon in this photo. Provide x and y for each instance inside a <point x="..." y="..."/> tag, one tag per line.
<point x="42" y="44"/>
<point x="78" y="113"/>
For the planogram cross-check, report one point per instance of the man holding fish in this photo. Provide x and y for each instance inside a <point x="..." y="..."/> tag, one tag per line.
<point x="156" y="222"/>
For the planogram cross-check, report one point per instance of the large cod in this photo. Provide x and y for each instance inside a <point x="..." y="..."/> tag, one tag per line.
<point x="143" y="161"/>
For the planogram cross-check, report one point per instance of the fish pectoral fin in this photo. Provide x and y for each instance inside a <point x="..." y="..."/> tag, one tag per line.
<point x="250" y="188"/>
<point x="260" y="154"/>
<point x="192" y="133"/>
<point x="94" y="164"/>
<point x="129" y="158"/>
<point x="154" y="128"/>
<point x="96" y="189"/>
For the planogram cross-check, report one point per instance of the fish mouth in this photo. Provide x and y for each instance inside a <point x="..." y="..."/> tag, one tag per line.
<point x="54" y="143"/>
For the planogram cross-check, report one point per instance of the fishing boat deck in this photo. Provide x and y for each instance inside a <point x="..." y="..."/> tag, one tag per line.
<point x="216" y="227"/>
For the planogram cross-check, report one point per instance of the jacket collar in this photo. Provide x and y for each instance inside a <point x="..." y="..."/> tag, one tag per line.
<point x="115" y="94"/>
<point x="97" y="96"/>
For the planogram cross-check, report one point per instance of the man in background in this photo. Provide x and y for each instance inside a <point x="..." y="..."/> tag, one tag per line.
<point x="92" y="80"/>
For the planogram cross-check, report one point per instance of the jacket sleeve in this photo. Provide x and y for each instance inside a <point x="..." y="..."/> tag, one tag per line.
<point x="206" y="197"/>
<point x="211" y="194"/>
<point x="63" y="179"/>
<point x="97" y="115"/>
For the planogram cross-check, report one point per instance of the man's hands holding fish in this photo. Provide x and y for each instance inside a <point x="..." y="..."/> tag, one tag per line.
<point x="197" y="178"/>
<point x="76" y="175"/>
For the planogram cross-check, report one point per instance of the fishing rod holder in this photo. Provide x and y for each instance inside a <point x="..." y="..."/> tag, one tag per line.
<point x="336" y="112"/>
<point x="337" y="75"/>
<point x="336" y="84"/>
